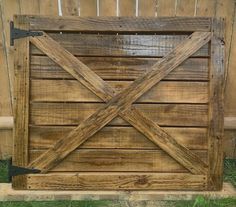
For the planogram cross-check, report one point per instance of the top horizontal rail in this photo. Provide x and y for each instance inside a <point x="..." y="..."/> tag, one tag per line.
<point x="117" y="24"/>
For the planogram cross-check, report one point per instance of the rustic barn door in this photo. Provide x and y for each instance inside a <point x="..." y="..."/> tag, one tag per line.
<point x="118" y="103"/>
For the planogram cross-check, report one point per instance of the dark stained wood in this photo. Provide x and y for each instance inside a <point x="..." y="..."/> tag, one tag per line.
<point x="120" y="45"/>
<point x="216" y="111"/>
<point x="116" y="181"/>
<point x="43" y="137"/>
<point x="115" y="68"/>
<point x="120" y="103"/>
<point x="164" y="92"/>
<point x="118" y="160"/>
<point x="119" y="24"/>
<point x="75" y="113"/>
<point x="21" y="107"/>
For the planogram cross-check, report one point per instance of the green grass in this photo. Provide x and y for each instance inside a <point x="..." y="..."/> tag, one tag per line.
<point x="4" y="171"/>
<point x="230" y="171"/>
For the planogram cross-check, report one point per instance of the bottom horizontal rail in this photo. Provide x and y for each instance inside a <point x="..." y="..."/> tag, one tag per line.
<point x="115" y="181"/>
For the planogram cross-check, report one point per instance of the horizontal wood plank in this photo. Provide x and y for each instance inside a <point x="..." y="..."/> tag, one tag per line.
<point x="115" y="68"/>
<point x="163" y="92"/>
<point x="118" y="160"/>
<point x="116" y="181"/>
<point x="75" y="113"/>
<point x="43" y="137"/>
<point x="119" y="24"/>
<point x="120" y="45"/>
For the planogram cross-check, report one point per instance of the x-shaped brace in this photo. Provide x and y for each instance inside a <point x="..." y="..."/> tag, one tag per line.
<point x="120" y="104"/>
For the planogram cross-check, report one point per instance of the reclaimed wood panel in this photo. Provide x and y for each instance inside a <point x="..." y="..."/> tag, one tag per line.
<point x="114" y="68"/>
<point x="185" y="8"/>
<point x="166" y="8"/>
<point x="120" y="45"/>
<point x="119" y="24"/>
<point x="43" y="137"/>
<point x="70" y="7"/>
<point x="73" y="91"/>
<point x="117" y="181"/>
<point x="75" y="113"/>
<point x="119" y="160"/>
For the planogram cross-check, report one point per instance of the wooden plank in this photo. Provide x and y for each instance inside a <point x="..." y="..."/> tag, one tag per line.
<point x="48" y="7"/>
<point x="117" y="160"/>
<point x="6" y="144"/>
<point x="230" y="122"/>
<point x="43" y="137"/>
<point x="6" y="122"/>
<point x="116" y="181"/>
<point x="206" y="8"/>
<point x="127" y="8"/>
<point x="70" y="7"/>
<point x="164" y="92"/>
<point x="216" y="112"/>
<point x="120" y="104"/>
<point x="230" y="98"/>
<point x="147" y="8"/>
<point x="119" y="24"/>
<point x="20" y="152"/>
<point x="75" y="113"/>
<point x="229" y="143"/>
<point x="166" y="8"/>
<point x="114" y="68"/>
<point x="107" y="7"/>
<point x="88" y="8"/>
<point x="120" y="45"/>
<point x="185" y="8"/>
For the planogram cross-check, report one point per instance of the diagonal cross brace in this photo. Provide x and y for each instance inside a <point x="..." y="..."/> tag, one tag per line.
<point x="120" y="104"/>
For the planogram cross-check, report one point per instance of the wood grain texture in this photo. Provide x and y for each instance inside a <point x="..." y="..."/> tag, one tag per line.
<point x="43" y="137"/>
<point x="216" y="111"/>
<point x="127" y="8"/>
<point x="120" y="45"/>
<point x="70" y="7"/>
<point x="107" y="7"/>
<point x="114" y="68"/>
<point x="166" y="8"/>
<point x="185" y="8"/>
<point x="119" y="24"/>
<point x="164" y="92"/>
<point x="147" y="8"/>
<point x="88" y="8"/>
<point x="121" y="102"/>
<point x="75" y="113"/>
<point x="206" y="8"/>
<point x="21" y="113"/>
<point x="117" y="160"/>
<point x="117" y="181"/>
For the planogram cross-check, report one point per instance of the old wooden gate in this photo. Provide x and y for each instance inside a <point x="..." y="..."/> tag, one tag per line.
<point x="118" y="103"/>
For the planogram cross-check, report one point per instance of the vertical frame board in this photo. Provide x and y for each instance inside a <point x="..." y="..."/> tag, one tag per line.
<point x="216" y="113"/>
<point x="21" y="113"/>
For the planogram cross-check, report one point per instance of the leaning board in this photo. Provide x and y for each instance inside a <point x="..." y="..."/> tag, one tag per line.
<point x="119" y="103"/>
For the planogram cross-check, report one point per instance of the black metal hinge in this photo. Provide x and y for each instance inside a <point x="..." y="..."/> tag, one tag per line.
<point x="16" y="170"/>
<point x="19" y="33"/>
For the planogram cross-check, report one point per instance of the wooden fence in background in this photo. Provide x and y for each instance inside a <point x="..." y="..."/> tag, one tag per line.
<point x="215" y="8"/>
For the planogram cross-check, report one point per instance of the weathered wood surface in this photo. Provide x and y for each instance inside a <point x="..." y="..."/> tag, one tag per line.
<point x="21" y="108"/>
<point x="216" y="107"/>
<point x="117" y="181"/>
<point x="115" y="68"/>
<point x="119" y="24"/>
<point x="120" y="45"/>
<point x="120" y="103"/>
<point x="75" y="113"/>
<point x="118" y="160"/>
<point x="43" y="137"/>
<point x="164" y="92"/>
